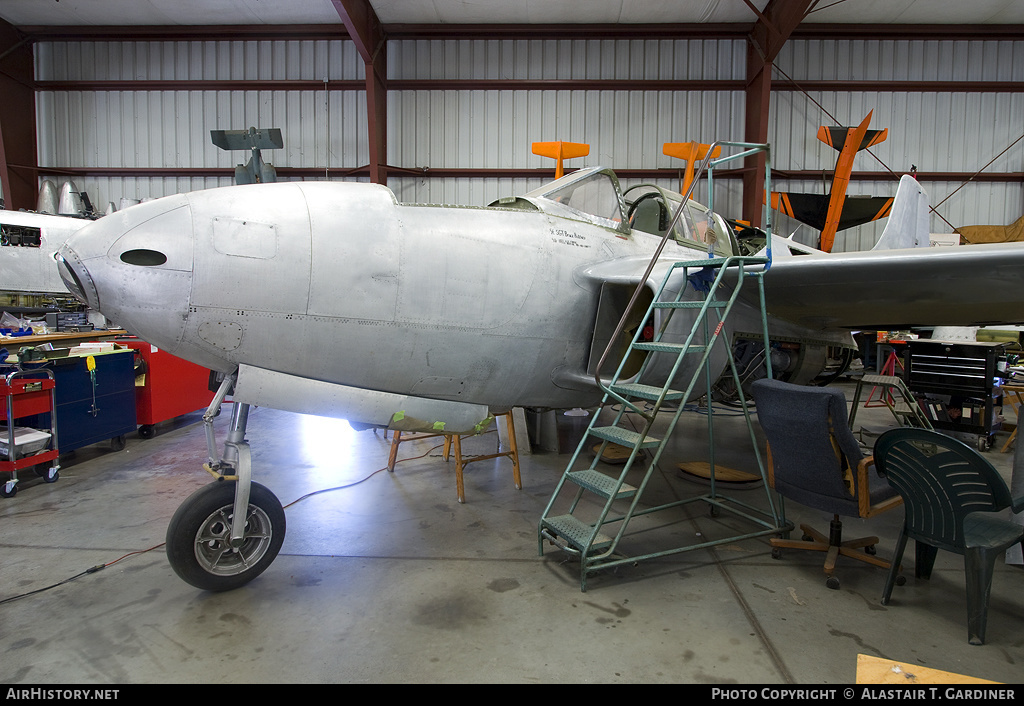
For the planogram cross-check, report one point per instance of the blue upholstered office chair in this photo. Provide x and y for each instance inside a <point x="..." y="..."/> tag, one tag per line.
<point x="953" y="498"/>
<point x="814" y="459"/>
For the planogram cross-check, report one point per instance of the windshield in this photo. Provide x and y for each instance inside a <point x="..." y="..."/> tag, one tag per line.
<point x="592" y="192"/>
<point x="594" y="195"/>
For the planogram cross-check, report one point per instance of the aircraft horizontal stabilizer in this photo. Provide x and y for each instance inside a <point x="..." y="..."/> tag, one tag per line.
<point x="561" y="150"/>
<point x="251" y="139"/>
<point x="812" y="209"/>
<point x="835" y="137"/>
<point x="691" y="153"/>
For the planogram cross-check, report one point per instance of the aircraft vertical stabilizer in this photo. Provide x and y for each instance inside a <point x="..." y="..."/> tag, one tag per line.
<point x="907" y="226"/>
<point x="690" y="152"/>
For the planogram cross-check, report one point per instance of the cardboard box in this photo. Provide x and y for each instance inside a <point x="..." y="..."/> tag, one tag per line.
<point x="27" y="441"/>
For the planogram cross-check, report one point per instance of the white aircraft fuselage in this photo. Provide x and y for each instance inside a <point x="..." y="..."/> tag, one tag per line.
<point x="28" y="245"/>
<point x="340" y="284"/>
<point x="332" y="298"/>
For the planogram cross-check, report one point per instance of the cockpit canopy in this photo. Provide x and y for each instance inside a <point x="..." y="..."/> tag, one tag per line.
<point x="587" y="194"/>
<point x="594" y="195"/>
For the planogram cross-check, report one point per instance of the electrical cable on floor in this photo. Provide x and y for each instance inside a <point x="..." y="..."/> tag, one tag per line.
<point x="90" y="570"/>
<point x="100" y="567"/>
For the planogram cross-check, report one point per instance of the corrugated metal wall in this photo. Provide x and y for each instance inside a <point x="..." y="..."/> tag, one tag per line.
<point x="493" y="129"/>
<point x="936" y="132"/>
<point x="172" y="128"/>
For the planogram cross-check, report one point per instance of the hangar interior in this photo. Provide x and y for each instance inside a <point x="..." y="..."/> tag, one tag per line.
<point x="384" y="575"/>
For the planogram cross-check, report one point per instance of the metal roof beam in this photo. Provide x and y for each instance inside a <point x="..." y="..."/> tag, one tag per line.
<point x="773" y="27"/>
<point x="734" y="30"/>
<point x="364" y="28"/>
<point x="17" y="121"/>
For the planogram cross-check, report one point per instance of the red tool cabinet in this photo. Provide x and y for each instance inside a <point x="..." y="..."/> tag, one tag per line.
<point x="173" y="386"/>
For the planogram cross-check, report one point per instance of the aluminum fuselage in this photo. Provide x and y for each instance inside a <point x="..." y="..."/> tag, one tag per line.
<point x="338" y="283"/>
<point x="30" y="268"/>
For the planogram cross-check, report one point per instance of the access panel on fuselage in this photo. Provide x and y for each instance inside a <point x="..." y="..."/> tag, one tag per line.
<point x="257" y="258"/>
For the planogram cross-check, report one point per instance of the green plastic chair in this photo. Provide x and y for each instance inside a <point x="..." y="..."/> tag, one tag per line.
<point x="953" y="498"/>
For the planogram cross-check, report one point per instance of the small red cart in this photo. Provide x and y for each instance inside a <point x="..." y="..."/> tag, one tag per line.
<point x="26" y="395"/>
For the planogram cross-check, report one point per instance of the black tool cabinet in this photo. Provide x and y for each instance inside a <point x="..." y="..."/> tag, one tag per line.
<point x="957" y="384"/>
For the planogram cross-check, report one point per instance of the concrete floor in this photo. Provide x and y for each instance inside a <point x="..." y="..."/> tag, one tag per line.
<point x="390" y="579"/>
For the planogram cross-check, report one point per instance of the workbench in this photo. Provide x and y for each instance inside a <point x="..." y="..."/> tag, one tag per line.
<point x="59" y="340"/>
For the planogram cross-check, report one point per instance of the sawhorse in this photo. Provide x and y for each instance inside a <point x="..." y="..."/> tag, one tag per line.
<point x="455" y="441"/>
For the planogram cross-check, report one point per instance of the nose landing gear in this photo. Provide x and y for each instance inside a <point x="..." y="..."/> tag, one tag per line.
<point x="228" y="532"/>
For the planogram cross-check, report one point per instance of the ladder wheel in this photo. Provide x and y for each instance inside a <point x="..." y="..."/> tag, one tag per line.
<point x="870" y="549"/>
<point x="832" y="582"/>
<point x="776" y="553"/>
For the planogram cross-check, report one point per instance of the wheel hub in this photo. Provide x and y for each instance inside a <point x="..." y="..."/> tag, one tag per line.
<point x="218" y="554"/>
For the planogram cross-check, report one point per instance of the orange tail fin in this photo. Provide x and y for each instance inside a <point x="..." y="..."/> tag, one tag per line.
<point x="561" y="151"/>
<point x="691" y="152"/>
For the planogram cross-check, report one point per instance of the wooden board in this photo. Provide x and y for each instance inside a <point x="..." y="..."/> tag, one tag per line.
<point x="702" y="469"/>
<point x="872" y="670"/>
<point x="615" y="454"/>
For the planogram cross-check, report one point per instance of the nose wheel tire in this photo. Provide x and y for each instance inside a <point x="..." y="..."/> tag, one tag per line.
<point x="198" y="538"/>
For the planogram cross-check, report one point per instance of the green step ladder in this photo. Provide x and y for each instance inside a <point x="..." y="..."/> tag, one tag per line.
<point x="594" y="530"/>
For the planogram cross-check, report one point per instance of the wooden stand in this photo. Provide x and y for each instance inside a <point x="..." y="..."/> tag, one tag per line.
<point x="455" y="440"/>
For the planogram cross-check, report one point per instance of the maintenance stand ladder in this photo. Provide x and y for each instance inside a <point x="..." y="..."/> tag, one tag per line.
<point x="593" y="540"/>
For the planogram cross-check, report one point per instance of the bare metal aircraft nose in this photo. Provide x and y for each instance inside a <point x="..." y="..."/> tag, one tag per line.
<point x="135" y="267"/>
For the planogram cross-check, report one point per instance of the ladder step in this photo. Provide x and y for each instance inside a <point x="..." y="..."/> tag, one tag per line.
<point x="889" y="380"/>
<point x="601" y="484"/>
<point x="646" y="392"/>
<point x="689" y="305"/>
<point x="668" y="347"/>
<point x="575" y="532"/>
<point x="719" y="261"/>
<point x="708" y="261"/>
<point x="624" y="437"/>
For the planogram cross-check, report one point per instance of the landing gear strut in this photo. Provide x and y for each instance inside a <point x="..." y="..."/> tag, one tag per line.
<point x="228" y="532"/>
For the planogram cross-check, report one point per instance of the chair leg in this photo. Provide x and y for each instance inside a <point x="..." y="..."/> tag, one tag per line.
<point x="924" y="559"/>
<point x="897" y="557"/>
<point x="979" y="564"/>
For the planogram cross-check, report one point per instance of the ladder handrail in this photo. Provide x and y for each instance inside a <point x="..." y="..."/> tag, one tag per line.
<point x="620" y="327"/>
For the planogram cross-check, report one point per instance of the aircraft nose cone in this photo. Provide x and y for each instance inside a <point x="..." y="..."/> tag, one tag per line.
<point x="76" y="277"/>
<point x="135" y="266"/>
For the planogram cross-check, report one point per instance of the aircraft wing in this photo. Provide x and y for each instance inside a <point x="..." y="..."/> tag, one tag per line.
<point x="968" y="285"/>
<point x="812" y="209"/>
